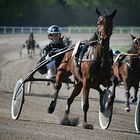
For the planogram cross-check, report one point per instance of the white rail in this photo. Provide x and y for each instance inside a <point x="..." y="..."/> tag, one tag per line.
<point x="69" y="30"/>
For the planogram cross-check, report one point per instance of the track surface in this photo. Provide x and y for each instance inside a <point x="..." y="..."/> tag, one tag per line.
<point x="34" y="122"/>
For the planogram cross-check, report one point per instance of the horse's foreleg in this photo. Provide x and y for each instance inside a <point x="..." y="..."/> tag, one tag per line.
<point x="134" y="98"/>
<point x="33" y="51"/>
<point x="76" y="92"/>
<point x="28" y="51"/>
<point x="127" y="103"/>
<point x="86" y="88"/>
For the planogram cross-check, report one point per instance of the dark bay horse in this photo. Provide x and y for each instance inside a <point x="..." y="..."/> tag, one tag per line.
<point x="30" y="44"/>
<point x="127" y="70"/>
<point x="93" y="72"/>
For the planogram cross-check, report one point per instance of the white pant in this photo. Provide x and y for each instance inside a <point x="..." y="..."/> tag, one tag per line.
<point x="51" y="70"/>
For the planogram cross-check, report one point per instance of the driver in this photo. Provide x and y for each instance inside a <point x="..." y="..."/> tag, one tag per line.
<point x="56" y="43"/>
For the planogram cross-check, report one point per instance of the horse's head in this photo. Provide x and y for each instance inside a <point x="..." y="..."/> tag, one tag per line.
<point x="135" y="47"/>
<point x="136" y="40"/>
<point x="105" y="24"/>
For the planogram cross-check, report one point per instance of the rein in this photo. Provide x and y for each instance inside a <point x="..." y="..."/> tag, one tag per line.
<point x="127" y="63"/>
<point x="124" y="54"/>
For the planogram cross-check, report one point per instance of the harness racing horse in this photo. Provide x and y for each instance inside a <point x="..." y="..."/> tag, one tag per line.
<point x="30" y="44"/>
<point x="127" y="69"/>
<point x="93" y="72"/>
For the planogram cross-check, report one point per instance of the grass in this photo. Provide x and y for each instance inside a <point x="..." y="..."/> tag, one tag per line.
<point x="121" y="48"/>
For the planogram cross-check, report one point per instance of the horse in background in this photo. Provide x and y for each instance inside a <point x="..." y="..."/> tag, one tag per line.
<point x="94" y="71"/>
<point x="127" y="69"/>
<point x="30" y="44"/>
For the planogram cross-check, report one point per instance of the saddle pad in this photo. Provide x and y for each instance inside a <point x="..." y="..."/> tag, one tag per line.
<point x="89" y="54"/>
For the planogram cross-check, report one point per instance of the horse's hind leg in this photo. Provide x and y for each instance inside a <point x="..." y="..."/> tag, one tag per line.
<point x="76" y="92"/>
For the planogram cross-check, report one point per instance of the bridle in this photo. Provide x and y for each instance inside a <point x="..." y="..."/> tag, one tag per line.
<point x="104" y="28"/>
<point x="136" y="41"/>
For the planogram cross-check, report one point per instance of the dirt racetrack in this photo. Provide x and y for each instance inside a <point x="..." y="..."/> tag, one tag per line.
<point x="34" y="122"/>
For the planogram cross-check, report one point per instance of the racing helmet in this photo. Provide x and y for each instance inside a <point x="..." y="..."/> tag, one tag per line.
<point x="116" y="52"/>
<point x="54" y="29"/>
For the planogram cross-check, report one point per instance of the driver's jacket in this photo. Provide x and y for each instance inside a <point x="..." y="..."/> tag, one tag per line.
<point x="52" y="48"/>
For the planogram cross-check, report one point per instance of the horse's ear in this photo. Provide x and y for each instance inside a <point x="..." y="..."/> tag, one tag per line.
<point x="133" y="37"/>
<point x="98" y="12"/>
<point x="113" y="13"/>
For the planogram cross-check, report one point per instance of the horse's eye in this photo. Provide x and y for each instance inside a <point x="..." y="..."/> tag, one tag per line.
<point x="135" y="40"/>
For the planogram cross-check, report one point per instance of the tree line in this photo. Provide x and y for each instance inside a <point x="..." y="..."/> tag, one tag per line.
<point x="66" y="12"/>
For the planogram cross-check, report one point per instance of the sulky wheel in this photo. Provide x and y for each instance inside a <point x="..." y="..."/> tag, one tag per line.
<point x="17" y="100"/>
<point x="106" y="115"/>
<point x="137" y="116"/>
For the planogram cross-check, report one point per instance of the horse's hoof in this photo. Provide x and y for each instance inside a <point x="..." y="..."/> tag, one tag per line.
<point x="70" y="122"/>
<point x="127" y="109"/>
<point x="50" y="110"/>
<point x="51" y="107"/>
<point x="66" y="121"/>
<point x="87" y="126"/>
